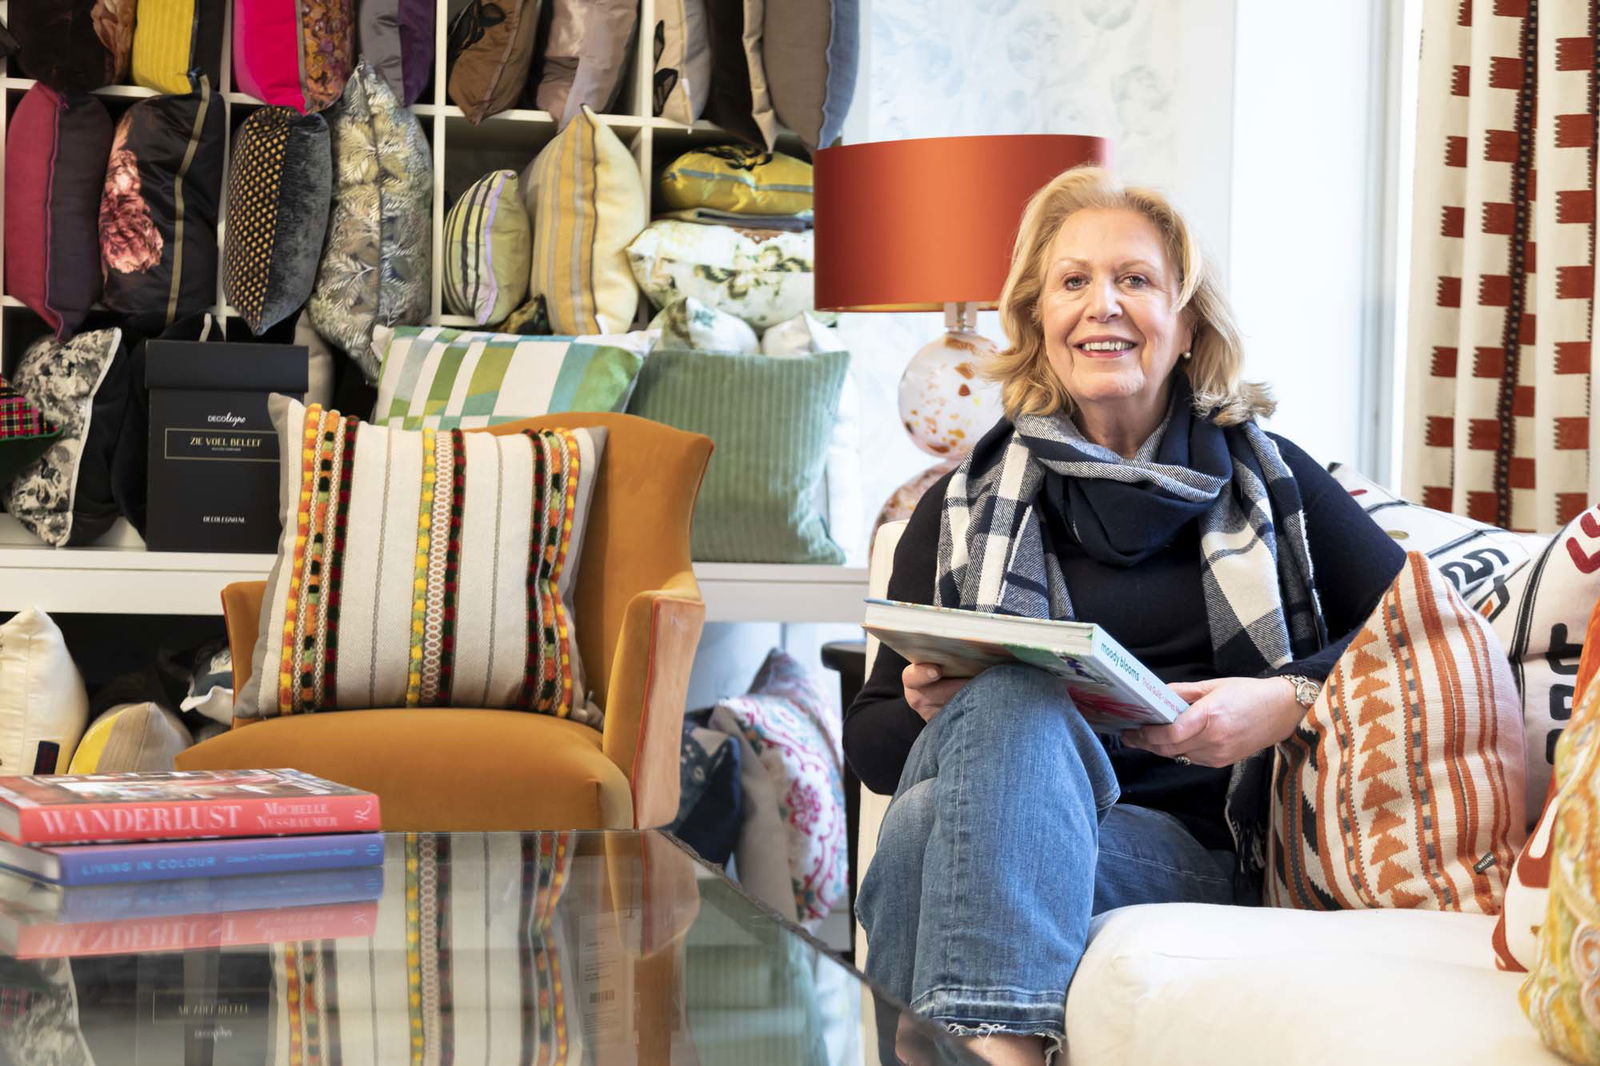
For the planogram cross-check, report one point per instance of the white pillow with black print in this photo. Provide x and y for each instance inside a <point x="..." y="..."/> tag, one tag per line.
<point x="1474" y="556"/>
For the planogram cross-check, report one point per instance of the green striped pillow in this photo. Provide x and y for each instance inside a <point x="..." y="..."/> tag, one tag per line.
<point x="771" y="420"/>
<point x="438" y="378"/>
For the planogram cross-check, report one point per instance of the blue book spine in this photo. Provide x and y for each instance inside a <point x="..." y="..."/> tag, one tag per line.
<point x="103" y="864"/>
<point x="216" y="895"/>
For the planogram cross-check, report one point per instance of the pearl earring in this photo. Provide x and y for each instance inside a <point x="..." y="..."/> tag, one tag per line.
<point x="1186" y="355"/>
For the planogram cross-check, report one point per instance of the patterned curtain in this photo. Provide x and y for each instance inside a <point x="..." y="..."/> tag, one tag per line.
<point x="1499" y="384"/>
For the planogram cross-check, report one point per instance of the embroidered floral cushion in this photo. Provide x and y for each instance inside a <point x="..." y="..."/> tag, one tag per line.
<point x="56" y="150"/>
<point x="294" y="55"/>
<point x="377" y="267"/>
<point x="158" y="215"/>
<point x="796" y="735"/>
<point x="761" y="276"/>
<point x="280" y="184"/>
<point x="1403" y="786"/>
<point x="423" y="569"/>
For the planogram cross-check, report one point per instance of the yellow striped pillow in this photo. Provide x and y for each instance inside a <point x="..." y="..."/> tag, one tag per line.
<point x="587" y="202"/>
<point x="172" y="38"/>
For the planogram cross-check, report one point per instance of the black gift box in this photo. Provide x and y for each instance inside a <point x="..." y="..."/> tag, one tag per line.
<point x="213" y="451"/>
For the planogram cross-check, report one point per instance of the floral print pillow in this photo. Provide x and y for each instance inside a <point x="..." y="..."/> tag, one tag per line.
<point x="761" y="276"/>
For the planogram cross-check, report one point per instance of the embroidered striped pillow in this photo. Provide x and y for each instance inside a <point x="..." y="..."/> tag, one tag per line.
<point x="1403" y="786"/>
<point x="423" y="569"/>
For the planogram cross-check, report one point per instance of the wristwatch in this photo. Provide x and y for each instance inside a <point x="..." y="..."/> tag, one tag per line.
<point x="1305" y="689"/>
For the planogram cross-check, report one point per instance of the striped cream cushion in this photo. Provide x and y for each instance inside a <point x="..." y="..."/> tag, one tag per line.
<point x="423" y="569"/>
<point x="437" y="378"/>
<point x="487" y="244"/>
<point x="587" y="202"/>
<point x="1403" y="786"/>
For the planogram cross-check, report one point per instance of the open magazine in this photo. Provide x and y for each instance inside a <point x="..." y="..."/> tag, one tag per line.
<point x="1111" y="689"/>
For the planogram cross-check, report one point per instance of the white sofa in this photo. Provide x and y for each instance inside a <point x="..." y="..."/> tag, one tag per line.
<point x="1184" y="984"/>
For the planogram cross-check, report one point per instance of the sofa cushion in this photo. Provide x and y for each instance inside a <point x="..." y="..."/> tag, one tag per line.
<point x="809" y="49"/>
<point x="294" y="55"/>
<point x="739" y="179"/>
<point x="1189" y="984"/>
<point x="57" y="146"/>
<point x="377" y="266"/>
<point x="439" y="378"/>
<point x="61" y="41"/>
<point x="688" y="323"/>
<point x="397" y="38"/>
<point x="488" y="246"/>
<point x="174" y="37"/>
<point x="682" y="60"/>
<point x="25" y="433"/>
<point x="1403" y="784"/>
<point x="131" y="737"/>
<point x="280" y="187"/>
<point x="491" y="50"/>
<point x="423" y="569"/>
<point x="587" y="202"/>
<point x="739" y="101"/>
<point x="761" y="276"/>
<point x="585" y="55"/>
<point x="158" y="215"/>
<point x="43" y="705"/>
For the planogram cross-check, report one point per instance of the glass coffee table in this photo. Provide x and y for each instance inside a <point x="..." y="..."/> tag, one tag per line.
<point x="461" y="949"/>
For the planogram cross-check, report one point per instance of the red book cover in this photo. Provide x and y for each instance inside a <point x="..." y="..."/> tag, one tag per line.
<point x="185" y="932"/>
<point x="179" y="805"/>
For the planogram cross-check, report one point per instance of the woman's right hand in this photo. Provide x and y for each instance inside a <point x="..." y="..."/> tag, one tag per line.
<point x="927" y="689"/>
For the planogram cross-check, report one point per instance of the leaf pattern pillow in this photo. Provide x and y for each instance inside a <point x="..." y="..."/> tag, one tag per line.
<point x="377" y="265"/>
<point x="761" y="276"/>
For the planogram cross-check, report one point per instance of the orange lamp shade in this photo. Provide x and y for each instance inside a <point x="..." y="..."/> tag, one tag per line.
<point x="914" y="225"/>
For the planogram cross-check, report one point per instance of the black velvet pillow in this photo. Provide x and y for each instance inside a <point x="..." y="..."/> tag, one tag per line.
<point x="280" y="188"/>
<point x="59" y="44"/>
<point x="158" y="215"/>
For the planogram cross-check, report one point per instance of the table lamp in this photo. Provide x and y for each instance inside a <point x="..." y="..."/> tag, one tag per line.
<point x="925" y="225"/>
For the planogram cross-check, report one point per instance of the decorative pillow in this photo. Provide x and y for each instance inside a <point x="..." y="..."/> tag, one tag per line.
<point x="795" y="733"/>
<point x="738" y="179"/>
<point x="756" y="503"/>
<point x="25" y="434"/>
<point x="64" y="42"/>
<point x="114" y="25"/>
<point x="210" y="689"/>
<point x="455" y="588"/>
<point x="56" y="151"/>
<point x="64" y="496"/>
<point x="688" y="323"/>
<point x="163" y="187"/>
<point x="1540" y="618"/>
<point x="279" y="189"/>
<point x="438" y="378"/>
<point x="843" y="497"/>
<point x="1559" y="994"/>
<point x="761" y="277"/>
<point x="174" y="37"/>
<point x="294" y="55"/>
<point x="1473" y="555"/>
<point x="811" y="49"/>
<point x="585" y="55"/>
<point x="396" y="37"/>
<point x="377" y="266"/>
<point x="488" y="248"/>
<point x="43" y="705"/>
<point x="491" y="51"/>
<point x="739" y="101"/>
<point x="710" y="801"/>
<point x="135" y="737"/>
<point x="682" y="60"/>
<point x="1403" y="786"/>
<point x="587" y="202"/>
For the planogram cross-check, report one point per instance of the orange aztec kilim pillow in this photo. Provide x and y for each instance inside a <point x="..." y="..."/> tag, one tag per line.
<point x="423" y="568"/>
<point x="1403" y="786"/>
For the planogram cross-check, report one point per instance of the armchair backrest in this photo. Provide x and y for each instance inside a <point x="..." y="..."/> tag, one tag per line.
<point x="639" y="518"/>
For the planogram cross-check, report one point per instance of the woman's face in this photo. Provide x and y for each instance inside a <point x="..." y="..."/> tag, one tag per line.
<point x="1111" y="331"/>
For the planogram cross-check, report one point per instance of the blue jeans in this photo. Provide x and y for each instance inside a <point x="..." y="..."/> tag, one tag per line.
<point x="1003" y="839"/>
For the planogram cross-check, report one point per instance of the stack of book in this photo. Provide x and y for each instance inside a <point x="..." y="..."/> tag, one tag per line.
<point x="96" y="864"/>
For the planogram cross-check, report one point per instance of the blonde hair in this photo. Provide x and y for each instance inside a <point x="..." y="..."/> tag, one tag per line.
<point x="1028" y="385"/>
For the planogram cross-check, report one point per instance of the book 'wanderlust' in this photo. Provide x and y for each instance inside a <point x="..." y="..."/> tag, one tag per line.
<point x="1112" y="689"/>
<point x="179" y="805"/>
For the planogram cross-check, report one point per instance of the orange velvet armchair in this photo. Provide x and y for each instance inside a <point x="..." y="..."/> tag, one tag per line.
<point x="638" y="616"/>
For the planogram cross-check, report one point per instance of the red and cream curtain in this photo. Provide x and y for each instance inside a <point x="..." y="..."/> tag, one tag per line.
<point x="1499" y="386"/>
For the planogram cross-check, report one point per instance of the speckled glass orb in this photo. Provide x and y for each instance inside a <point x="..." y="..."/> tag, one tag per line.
<point x="944" y="403"/>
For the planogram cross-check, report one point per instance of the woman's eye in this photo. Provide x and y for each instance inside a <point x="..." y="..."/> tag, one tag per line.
<point x="1073" y="281"/>
<point x="1137" y="281"/>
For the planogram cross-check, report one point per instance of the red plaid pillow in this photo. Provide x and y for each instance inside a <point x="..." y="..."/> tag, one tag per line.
<point x="18" y="417"/>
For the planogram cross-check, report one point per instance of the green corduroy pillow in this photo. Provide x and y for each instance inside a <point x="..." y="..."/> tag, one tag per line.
<point x="770" y="420"/>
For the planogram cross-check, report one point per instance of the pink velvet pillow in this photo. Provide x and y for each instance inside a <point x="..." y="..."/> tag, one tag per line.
<point x="57" y="148"/>
<point x="294" y="54"/>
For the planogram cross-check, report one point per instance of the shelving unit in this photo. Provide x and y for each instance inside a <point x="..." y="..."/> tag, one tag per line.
<point x="118" y="576"/>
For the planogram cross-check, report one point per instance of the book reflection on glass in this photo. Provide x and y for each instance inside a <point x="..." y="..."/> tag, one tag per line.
<point x="1111" y="689"/>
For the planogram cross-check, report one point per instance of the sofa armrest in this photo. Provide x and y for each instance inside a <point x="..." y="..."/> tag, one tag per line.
<point x="648" y="686"/>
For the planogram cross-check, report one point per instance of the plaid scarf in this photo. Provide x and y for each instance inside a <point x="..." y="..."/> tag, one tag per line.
<point x="1261" y="604"/>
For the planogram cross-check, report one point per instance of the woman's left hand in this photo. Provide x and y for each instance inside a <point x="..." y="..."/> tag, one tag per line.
<point x="1228" y="718"/>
